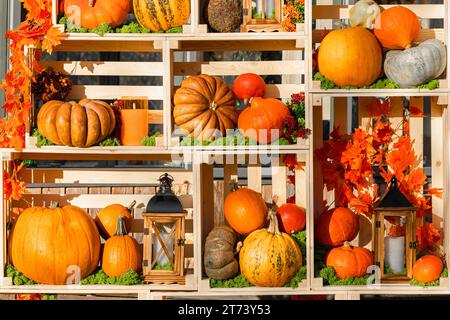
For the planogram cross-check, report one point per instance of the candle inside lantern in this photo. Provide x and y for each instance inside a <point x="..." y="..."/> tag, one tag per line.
<point x="134" y="126"/>
<point x="168" y="240"/>
<point x="394" y="253"/>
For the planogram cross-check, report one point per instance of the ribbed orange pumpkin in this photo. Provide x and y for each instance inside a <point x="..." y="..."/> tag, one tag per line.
<point x="349" y="261"/>
<point x="428" y="268"/>
<point x="269" y="258"/>
<point x="245" y="210"/>
<point x="106" y="219"/>
<point x="350" y="57"/>
<point x="72" y="124"/>
<point x="336" y="226"/>
<point x="397" y="27"/>
<point x="121" y="252"/>
<point x="204" y="105"/>
<point x="92" y="13"/>
<point x="264" y="115"/>
<point x="48" y="244"/>
<point x="159" y="15"/>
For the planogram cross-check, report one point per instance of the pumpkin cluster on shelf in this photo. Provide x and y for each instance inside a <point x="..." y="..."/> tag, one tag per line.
<point x="247" y="215"/>
<point x="61" y="245"/>
<point x="353" y="56"/>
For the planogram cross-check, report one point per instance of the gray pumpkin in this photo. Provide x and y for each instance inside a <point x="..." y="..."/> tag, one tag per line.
<point x="219" y="259"/>
<point x="418" y="65"/>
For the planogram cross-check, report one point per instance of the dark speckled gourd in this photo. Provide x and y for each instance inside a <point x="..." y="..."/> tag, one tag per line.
<point x="269" y="258"/>
<point x="418" y="65"/>
<point x="219" y="260"/>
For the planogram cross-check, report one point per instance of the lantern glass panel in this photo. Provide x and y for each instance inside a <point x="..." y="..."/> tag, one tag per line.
<point x="163" y="249"/>
<point x="395" y="245"/>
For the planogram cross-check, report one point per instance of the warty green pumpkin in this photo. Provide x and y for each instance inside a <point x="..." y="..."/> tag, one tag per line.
<point x="418" y="65"/>
<point x="269" y="258"/>
<point x="158" y="15"/>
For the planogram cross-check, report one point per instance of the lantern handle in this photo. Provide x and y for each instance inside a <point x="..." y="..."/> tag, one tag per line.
<point x="166" y="175"/>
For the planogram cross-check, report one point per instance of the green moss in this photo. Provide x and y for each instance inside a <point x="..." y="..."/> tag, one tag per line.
<point x="166" y="266"/>
<point x="435" y="283"/>
<point x="384" y="83"/>
<point x="99" y="277"/>
<point x="300" y="238"/>
<point x="237" y="282"/>
<point x="18" y="278"/>
<point x="132" y="27"/>
<point x="388" y="270"/>
<point x="102" y="29"/>
<point x="236" y="139"/>
<point x="297" y="278"/>
<point x="41" y="139"/>
<point x="150" y="141"/>
<point x="110" y="142"/>
<point x="330" y="278"/>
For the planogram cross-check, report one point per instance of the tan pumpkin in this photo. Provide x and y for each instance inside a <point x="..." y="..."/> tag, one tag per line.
<point x="121" y="252"/>
<point x="350" y="57"/>
<point x="72" y="124"/>
<point x="205" y="106"/>
<point x="219" y="260"/>
<point x="158" y="15"/>
<point x="269" y="258"/>
<point x="50" y="245"/>
<point x="106" y="219"/>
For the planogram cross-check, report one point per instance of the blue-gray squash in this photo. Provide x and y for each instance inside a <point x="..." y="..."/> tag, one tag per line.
<point x="417" y="65"/>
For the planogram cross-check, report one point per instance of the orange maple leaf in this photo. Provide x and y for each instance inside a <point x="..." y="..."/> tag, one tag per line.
<point x="379" y="108"/>
<point x="437" y="192"/>
<point x="51" y="40"/>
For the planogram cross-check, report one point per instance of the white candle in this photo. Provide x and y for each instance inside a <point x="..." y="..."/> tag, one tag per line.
<point x="394" y="253"/>
<point x="162" y="260"/>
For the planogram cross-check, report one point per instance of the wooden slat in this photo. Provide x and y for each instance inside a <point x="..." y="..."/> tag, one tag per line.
<point x="279" y="181"/>
<point x="115" y="92"/>
<point x="106" y="68"/>
<point x="283" y="91"/>
<point x="94" y="45"/>
<point x="232" y="45"/>
<point x="254" y="177"/>
<point x="231" y="68"/>
<point x="424" y="11"/>
<point x="301" y="185"/>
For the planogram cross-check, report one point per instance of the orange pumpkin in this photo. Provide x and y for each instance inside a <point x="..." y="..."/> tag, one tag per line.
<point x="48" y="245"/>
<point x="336" y="226"/>
<point x="204" y="105"/>
<point x="249" y="85"/>
<point x="92" y="13"/>
<point x="121" y="252"/>
<point x="428" y="268"/>
<point x="350" y="57"/>
<point x="158" y="15"/>
<point x="106" y="219"/>
<point x="245" y="210"/>
<point x="264" y="120"/>
<point x="349" y="261"/>
<point x="397" y="27"/>
<point x="292" y="218"/>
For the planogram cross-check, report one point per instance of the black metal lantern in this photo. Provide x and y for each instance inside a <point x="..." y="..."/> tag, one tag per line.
<point x="165" y="200"/>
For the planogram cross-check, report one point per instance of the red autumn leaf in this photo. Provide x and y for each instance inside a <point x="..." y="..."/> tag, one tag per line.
<point x="415" y="111"/>
<point x="397" y="231"/>
<point x="427" y="235"/>
<point x="437" y="192"/>
<point x="379" y="108"/>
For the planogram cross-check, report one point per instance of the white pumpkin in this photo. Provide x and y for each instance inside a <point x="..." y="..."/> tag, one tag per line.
<point x="364" y="13"/>
<point x="416" y="66"/>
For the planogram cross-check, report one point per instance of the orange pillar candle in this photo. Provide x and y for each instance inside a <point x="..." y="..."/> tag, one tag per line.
<point x="134" y="126"/>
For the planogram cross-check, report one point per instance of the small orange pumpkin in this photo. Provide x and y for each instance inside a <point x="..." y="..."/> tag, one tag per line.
<point x="264" y="115"/>
<point x="428" y="268"/>
<point x="121" y="252"/>
<point x="336" y="226"/>
<point x="397" y="27"/>
<point x="349" y="261"/>
<point x="106" y="219"/>
<point x="245" y="210"/>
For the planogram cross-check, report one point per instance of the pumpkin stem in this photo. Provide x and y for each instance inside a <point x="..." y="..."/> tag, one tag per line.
<point x="121" y="229"/>
<point x="213" y="106"/>
<point x="234" y="185"/>
<point x="347" y="244"/>
<point x="91" y="3"/>
<point x="54" y="205"/>
<point x="131" y="206"/>
<point x="273" y="226"/>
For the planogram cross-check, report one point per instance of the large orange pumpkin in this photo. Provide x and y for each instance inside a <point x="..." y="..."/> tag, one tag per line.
<point x="264" y="120"/>
<point x="72" y="124"/>
<point x="336" y="226"/>
<point x="121" y="252"/>
<point x="269" y="258"/>
<point x="397" y="27"/>
<point x="245" y="210"/>
<point x="92" y="13"/>
<point x="350" y="57"/>
<point x="349" y="261"/>
<point x="159" y="15"/>
<point x="106" y="219"/>
<point x="48" y="244"/>
<point x="428" y="268"/>
<point x="204" y="105"/>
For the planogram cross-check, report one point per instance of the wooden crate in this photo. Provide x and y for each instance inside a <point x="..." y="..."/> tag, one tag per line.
<point x="139" y="74"/>
<point x="263" y="172"/>
<point x="91" y="190"/>
<point x="188" y="28"/>
<point x="325" y="16"/>
<point x="430" y="134"/>
<point x="289" y="68"/>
